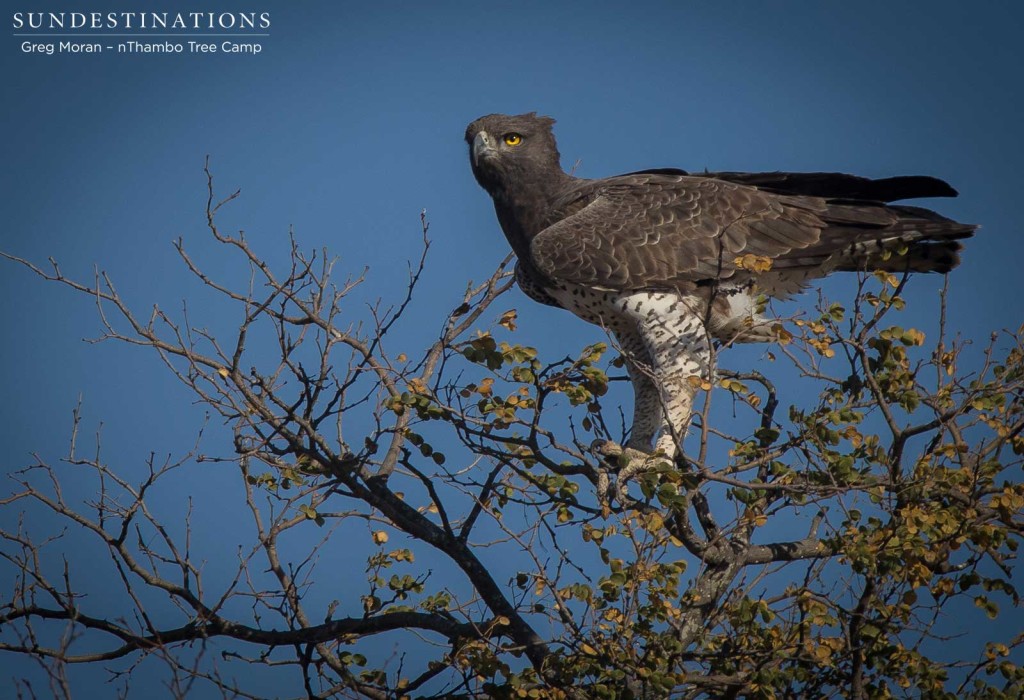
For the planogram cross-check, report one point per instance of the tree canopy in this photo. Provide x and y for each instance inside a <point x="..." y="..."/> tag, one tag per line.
<point x="435" y="521"/>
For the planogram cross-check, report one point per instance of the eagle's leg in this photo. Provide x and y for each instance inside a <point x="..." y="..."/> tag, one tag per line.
<point x="677" y="346"/>
<point x="648" y="418"/>
<point x="647" y="415"/>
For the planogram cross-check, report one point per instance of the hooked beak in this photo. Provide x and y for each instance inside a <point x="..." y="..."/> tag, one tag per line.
<point x="482" y="147"/>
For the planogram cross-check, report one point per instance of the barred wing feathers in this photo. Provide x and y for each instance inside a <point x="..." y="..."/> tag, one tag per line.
<point x="658" y="229"/>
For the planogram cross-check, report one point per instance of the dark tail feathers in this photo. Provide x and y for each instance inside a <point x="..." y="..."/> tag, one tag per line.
<point x="915" y="240"/>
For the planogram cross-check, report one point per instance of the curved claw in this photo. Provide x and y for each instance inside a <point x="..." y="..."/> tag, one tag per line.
<point x="630" y="462"/>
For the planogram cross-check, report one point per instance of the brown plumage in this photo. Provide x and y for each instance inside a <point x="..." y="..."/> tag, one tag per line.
<point x="596" y="247"/>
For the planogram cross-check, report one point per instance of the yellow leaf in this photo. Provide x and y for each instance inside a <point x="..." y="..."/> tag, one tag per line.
<point x="654" y="522"/>
<point x="380" y="537"/>
<point x="784" y="337"/>
<point x="754" y="263"/>
<point x="224" y="372"/>
<point x="508" y="319"/>
<point x="417" y="385"/>
<point x="698" y="382"/>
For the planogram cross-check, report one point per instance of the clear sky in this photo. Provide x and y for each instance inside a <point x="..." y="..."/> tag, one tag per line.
<point x="350" y="122"/>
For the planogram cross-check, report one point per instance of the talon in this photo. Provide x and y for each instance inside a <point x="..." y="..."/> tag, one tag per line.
<point x="629" y="461"/>
<point x="604" y="493"/>
<point x="606" y="448"/>
<point x="616" y="455"/>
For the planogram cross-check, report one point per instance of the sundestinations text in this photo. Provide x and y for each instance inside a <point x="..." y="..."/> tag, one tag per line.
<point x="140" y="20"/>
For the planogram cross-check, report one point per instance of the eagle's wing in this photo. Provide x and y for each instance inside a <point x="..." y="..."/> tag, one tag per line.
<point x="647" y="230"/>
<point x="831" y="185"/>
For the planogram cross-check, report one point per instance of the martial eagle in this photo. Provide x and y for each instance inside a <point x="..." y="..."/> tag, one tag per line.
<point x="657" y="257"/>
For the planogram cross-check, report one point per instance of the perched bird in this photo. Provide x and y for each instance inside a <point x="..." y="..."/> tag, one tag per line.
<point x="670" y="262"/>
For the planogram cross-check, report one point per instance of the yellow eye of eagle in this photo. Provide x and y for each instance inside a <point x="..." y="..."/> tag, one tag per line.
<point x="513" y="139"/>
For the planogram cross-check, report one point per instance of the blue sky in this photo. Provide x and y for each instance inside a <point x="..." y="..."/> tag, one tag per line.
<point x="350" y="122"/>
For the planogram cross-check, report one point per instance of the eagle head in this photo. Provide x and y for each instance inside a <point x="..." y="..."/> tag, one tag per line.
<point x="506" y="150"/>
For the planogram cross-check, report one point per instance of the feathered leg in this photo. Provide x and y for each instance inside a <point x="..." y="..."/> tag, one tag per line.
<point x="676" y="344"/>
<point x="647" y="414"/>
